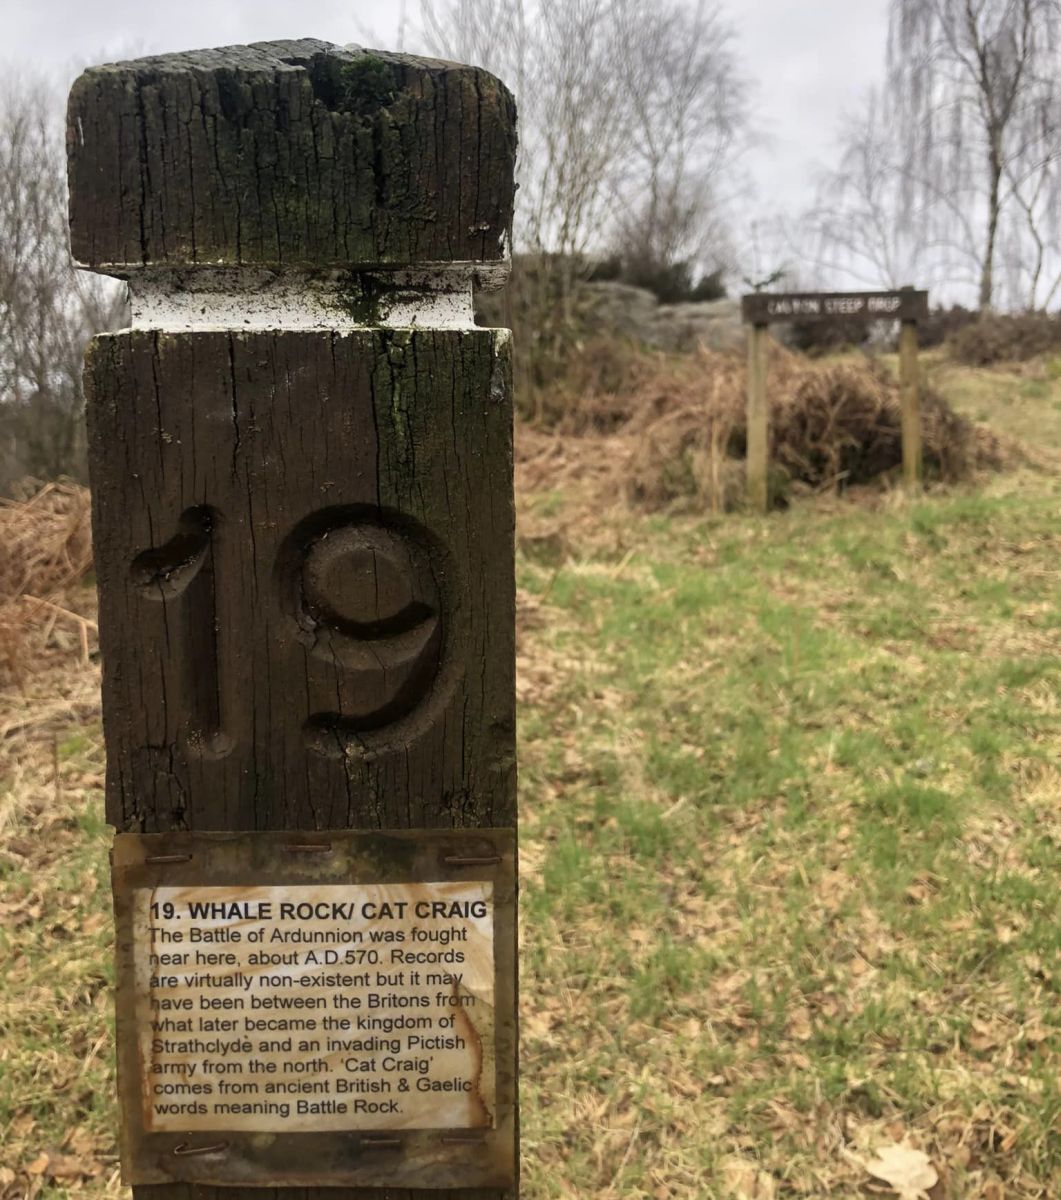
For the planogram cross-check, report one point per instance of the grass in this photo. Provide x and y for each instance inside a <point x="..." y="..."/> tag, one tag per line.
<point x="57" y="1117"/>
<point x="1023" y="400"/>
<point x="791" y="800"/>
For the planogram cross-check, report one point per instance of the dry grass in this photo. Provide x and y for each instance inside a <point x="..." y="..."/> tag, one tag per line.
<point x="56" y="1074"/>
<point x="45" y="551"/>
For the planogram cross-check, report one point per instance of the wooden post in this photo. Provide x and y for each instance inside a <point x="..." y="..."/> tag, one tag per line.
<point x="301" y="463"/>
<point x="758" y="421"/>
<point x="910" y="393"/>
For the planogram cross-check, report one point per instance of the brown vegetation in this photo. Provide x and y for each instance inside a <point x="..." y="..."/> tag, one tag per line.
<point x="676" y="426"/>
<point x="942" y="324"/>
<point x="1003" y="338"/>
<point x="45" y="550"/>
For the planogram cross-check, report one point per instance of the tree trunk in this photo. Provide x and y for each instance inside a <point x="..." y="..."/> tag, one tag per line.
<point x="987" y="272"/>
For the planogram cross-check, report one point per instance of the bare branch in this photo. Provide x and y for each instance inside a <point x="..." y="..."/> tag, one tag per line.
<point x="47" y="312"/>
<point x="991" y="64"/>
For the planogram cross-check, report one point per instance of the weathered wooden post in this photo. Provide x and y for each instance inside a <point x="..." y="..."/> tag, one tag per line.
<point x="910" y="396"/>
<point x="758" y="420"/>
<point x="302" y="487"/>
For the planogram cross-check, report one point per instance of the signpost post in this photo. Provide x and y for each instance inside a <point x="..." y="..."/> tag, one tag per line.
<point x="910" y="399"/>
<point x="762" y="309"/>
<point x="301" y="464"/>
<point x="758" y="420"/>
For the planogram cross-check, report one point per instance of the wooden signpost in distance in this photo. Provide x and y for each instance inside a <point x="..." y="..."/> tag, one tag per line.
<point x="762" y="309"/>
<point x="301" y="462"/>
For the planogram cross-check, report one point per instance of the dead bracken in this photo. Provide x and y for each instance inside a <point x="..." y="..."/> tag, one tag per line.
<point x="45" y="552"/>
<point x="669" y="431"/>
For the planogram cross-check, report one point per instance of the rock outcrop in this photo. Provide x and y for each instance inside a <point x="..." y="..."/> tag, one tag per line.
<point x="635" y="312"/>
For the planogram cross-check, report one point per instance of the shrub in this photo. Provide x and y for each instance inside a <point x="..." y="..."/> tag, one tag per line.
<point x="669" y="282"/>
<point x="999" y="337"/>
<point x="677" y="424"/>
<point x="943" y="324"/>
<point x="832" y="425"/>
<point x="826" y="337"/>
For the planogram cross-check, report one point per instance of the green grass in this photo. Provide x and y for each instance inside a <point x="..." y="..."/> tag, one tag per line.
<point x="792" y="816"/>
<point x="791" y="805"/>
<point x="57" y="1117"/>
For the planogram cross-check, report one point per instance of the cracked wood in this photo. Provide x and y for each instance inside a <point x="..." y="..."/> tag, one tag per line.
<point x="303" y="539"/>
<point x="294" y="154"/>
<point x="229" y="471"/>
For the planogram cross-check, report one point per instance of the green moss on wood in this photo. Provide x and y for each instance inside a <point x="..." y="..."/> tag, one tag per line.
<point x="368" y="83"/>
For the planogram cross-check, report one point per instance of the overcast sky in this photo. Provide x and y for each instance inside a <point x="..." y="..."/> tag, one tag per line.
<point x="810" y="61"/>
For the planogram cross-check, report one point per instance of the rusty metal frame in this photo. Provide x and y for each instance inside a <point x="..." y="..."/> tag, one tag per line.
<point x="421" y="1158"/>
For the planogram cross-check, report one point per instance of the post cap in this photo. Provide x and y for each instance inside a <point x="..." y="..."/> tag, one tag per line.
<point x="289" y="154"/>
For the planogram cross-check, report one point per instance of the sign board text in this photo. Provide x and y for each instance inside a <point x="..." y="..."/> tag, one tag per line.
<point x="766" y="308"/>
<point x="301" y="1008"/>
<point x="326" y="1009"/>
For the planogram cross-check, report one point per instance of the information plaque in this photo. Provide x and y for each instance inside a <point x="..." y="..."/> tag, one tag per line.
<point x="314" y="1009"/>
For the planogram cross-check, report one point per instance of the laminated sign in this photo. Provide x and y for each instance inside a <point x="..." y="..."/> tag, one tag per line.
<point x="316" y="1008"/>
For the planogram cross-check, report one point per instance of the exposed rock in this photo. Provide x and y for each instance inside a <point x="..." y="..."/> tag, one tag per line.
<point x="714" y="323"/>
<point x="634" y="312"/>
<point x="626" y="311"/>
<point x="619" y="308"/>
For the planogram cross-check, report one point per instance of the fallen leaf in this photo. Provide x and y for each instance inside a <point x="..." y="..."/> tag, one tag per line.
<point x="93" y="923"/>
<point x="984" y="1036"/>
<point x="38" y="1166"/>
<point x="66" y="1166"/>
<point x="745" y="1181"/>
<point x="800" y="1024"/>
<point x="906" y="1170"/>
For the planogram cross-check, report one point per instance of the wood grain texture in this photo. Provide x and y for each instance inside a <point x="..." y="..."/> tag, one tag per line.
<point x="293" y="153"/>
<point x="223" y="467"/>
<point x="766" y="308"/>
<point x="758" y="421"/>
<point x="303" y="541"/>
<point x="910" y="400"/>
<point x="221" y="464"/>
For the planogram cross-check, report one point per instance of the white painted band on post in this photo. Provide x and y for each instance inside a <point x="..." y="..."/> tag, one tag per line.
<point x="226" y="298"/>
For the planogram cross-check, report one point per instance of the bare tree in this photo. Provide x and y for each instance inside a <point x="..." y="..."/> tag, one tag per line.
<point x="559" y="57"/>
<point x="687" y="113"/>
<point x="972" y="82"/>
<point x="629" y="113"/>
<point x="1032" y="251"/>
<point x="47" y="309"/>
<point x="864" y="225"/>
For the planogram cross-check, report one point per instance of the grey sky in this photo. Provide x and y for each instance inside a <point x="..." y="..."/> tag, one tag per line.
<point x="810" y="60"/>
